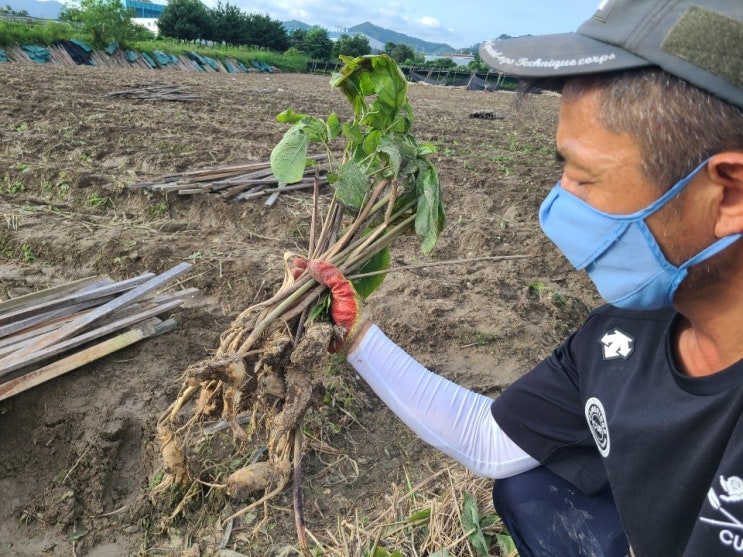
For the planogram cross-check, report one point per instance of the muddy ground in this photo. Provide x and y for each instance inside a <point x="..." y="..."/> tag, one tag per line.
<point x="78" y="456"/>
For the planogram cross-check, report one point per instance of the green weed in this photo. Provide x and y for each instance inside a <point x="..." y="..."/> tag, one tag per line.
<point x="11" y="186"/>
<point x="156" y="479"/>
<point x="98" y="201"/>
<point x="536" y="288"/>
<point x="158" y="209"/>
<point x="485" y="338"/>
<point x="483" y="529"/>
<point x="59" y="188"/>
<point x="27" y="254"/>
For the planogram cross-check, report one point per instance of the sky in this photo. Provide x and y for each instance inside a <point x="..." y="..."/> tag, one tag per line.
<point x="459" y="23"/>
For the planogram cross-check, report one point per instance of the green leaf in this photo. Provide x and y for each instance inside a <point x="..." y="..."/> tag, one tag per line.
<point x="470" y="512"/>
<point x="364" y="286"/>
<point x="352" y="134"/>
<point x="290" y="117"/>
<point x="506" y="547"/>
<point x="423" y="514"/>
<point x="425" y="149"/>
<point x="289" y="157"/>
<point x="471" y="523"/>
<point x="371" y="141"/>
<point x="353" y="185"/>
<point x="374" y="74"/>
<point x="391" y="147"/>
<point x="429" y="216"/>
<point x="334" y="126"/>
<point x="315" y="129"/>
<point x="321" y="310"/>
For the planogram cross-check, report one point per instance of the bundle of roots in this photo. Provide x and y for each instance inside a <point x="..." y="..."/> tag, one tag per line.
<point x="245" y="404"/>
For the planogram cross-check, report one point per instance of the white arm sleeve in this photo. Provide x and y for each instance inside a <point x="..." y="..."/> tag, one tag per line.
<point x="445" y="415"/>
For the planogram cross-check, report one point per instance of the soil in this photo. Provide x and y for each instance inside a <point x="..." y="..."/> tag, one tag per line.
<point x="78" y="455"/>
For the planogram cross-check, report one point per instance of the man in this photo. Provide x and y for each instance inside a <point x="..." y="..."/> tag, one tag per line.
<point x="631" y="433"/>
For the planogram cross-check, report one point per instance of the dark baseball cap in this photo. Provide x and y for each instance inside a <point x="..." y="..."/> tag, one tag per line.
<point x="700" y="41"/>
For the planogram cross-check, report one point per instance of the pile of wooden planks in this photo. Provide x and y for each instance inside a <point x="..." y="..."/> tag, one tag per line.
<point x="240" y="181"/>
<point x="51" y="332"/>
<point x="156" y="91"/>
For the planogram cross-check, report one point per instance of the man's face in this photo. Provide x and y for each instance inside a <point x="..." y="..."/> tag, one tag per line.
<point x="600" y="167"/>
<point x="603" y="169"/>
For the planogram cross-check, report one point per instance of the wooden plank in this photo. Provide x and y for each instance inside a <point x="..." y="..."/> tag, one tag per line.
<point x="11" y="343"/>
<point x="76" y="297"/>
<point x="65" y="365"/>
<point x="49" y="293"/>
<point x="14" y="327"/>
<point x="79" y="324"/>
<point x="60" y="347"/>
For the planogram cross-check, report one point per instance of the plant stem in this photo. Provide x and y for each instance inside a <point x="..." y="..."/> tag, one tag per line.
<point x="274" y="314"/>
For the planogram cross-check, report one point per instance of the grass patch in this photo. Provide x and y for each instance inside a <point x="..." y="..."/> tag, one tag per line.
<point x="47" y="33"/>
<point x="34" y="32"/>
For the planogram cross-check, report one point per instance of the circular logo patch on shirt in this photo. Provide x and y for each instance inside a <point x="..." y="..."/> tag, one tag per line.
<point x="596" y="418"/>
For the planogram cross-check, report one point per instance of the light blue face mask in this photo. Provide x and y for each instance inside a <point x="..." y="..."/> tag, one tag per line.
<point x="619" y="252"/>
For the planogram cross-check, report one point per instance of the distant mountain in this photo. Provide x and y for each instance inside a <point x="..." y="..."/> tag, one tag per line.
<point x="294" y="24"/>
<point x="385" y="36"/>
<point x="36" y="8"/>
<point x="378" y="37"/>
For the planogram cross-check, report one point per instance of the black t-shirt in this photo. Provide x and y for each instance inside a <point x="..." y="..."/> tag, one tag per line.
<point x="610" y="405"/>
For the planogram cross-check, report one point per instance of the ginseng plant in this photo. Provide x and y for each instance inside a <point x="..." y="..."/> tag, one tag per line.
<point x="259" y="382"/>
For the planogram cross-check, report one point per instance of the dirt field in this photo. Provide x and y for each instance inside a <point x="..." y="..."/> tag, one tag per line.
<point x="78" y="455"/>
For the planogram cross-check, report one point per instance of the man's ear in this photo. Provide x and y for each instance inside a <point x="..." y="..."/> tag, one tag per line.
<point x="726" y="170"/>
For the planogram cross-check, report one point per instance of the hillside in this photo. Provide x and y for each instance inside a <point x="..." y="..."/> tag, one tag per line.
<point x="388" y="36"/>
<point x="378" y="36"/>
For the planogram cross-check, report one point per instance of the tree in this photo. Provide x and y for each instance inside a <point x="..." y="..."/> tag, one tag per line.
<point x="107" y="21"/>
<point x="356" y="45"/>
<point x="317" y="44"/>
<point x="297" y="39"/>
<point x="10" y="11"/>
<point x="477" y="65"/>
<point x="442" y="63"/>
<point x="187" y="20"/>
<point x="400" y="52"/>
<point x="229" y="24"/>
<point x="261" y="30"/>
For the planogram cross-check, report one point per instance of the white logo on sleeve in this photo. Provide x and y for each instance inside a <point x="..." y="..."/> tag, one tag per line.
<point x="730" y="531"/>
<point x="733" y="485"/>
<point x="596" y="418"/>
<point x="617" y="344"/>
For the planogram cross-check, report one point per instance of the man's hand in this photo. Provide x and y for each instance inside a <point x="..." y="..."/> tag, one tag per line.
<point x="345" y="304"/>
